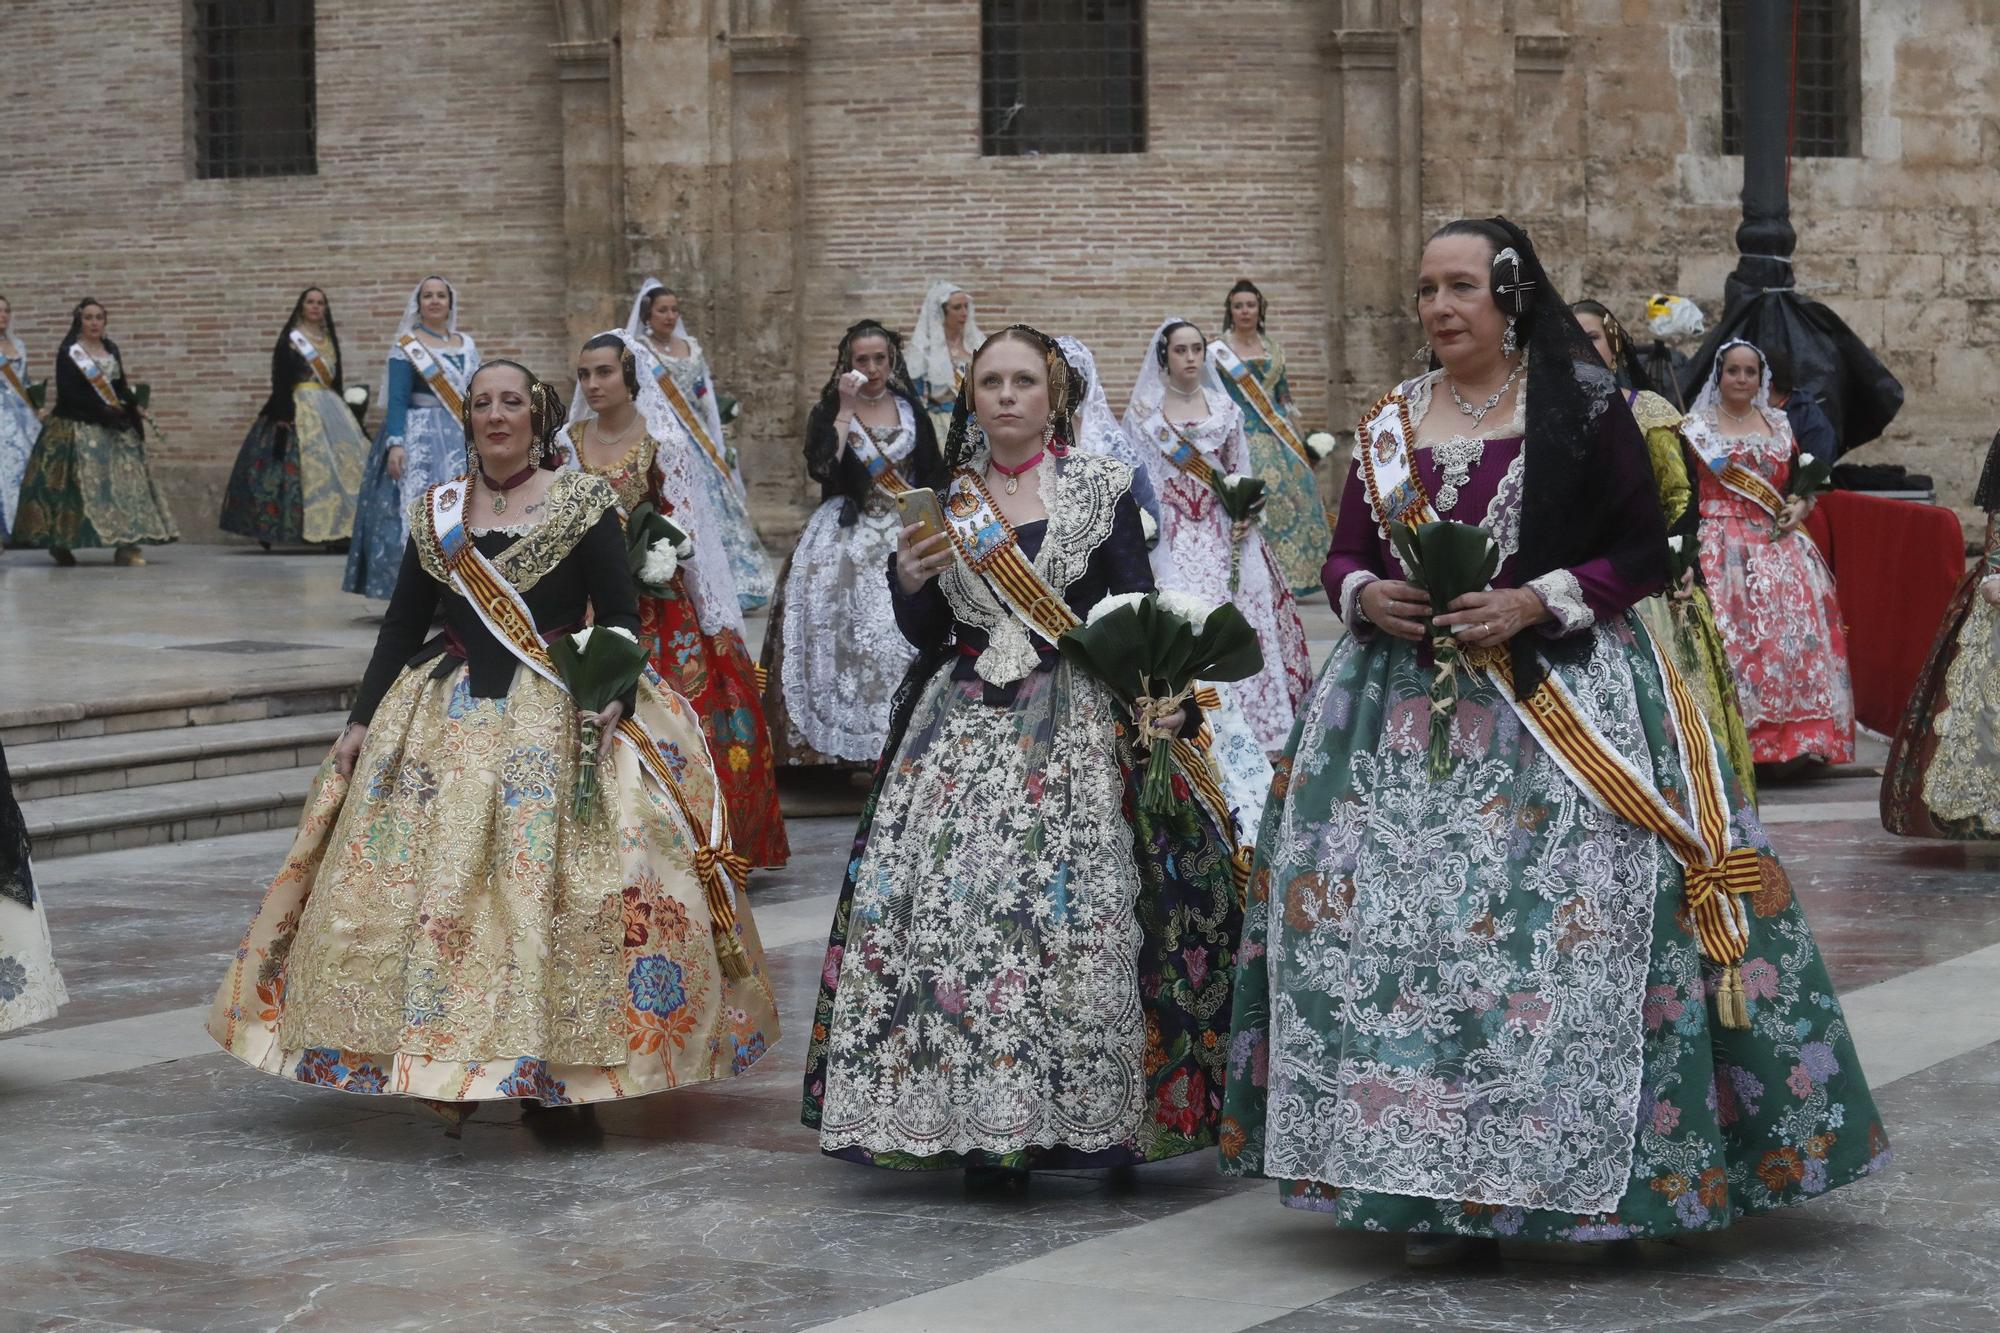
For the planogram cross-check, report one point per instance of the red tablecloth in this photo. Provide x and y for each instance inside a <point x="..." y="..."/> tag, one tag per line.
<point x="1895" y="565"/>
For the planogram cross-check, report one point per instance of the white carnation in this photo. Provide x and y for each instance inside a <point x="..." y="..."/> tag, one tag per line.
<point x="355" y="396"/>
<point x="1320" y="444"/>
<point x="1805" y="460"/>
<point x="1149" y="527"/>
<point x="1110" y="604"/>
<point x="661" y="561"/>
<point x="1188" y="607"/>
<point x="1674" y="544"/>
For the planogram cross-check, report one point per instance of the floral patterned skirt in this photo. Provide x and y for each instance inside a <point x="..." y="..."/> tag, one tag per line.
<point x="88" y="486"/>
<point x="713" y="672"/>
<point x="1943" y="775"/>
<point x="31" y="989"/>
<point x="1016" y="974"/>
<point x="1781" y="624"/>
<point x="445" y="928"/>
<point x="1686" y="632"/>
<point x="1037" y="989"/>
<point x="1474" y="1005"/>
<point x="262" y="499"/>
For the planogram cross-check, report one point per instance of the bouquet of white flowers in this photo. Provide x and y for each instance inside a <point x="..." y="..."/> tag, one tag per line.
<point x="1149" y="648"/>
<point x="1446" y="560"/>
<point x="356" y="397"/>
<point x="1811" y="476"/>
<point x="1320" y="444"/>
<point x="1242" y="499"/>
<point x="654" y="548"/>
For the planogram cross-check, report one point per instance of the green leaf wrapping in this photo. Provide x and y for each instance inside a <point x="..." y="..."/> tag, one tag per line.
<point x="603" y="670"/>
<point x="644" y="528"/>
<point x="1446" y="560"/>
<point x="38" y="393"/>
<point x="1687" y="557"/>
<point x="1240" y="497"/>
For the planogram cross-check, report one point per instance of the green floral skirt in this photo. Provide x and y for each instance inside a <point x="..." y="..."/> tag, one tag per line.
<point x="1474" y="1005"/>
<point x="89" y="486"/>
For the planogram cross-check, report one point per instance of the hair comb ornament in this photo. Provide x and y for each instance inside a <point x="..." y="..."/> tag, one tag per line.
<point x="1510" y="290"/>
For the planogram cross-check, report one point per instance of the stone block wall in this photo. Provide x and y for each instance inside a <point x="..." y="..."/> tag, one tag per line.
<point x="438" y="150"/>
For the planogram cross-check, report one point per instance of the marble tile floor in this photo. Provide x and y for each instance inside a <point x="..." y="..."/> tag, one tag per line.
<point x="148" y="1182"/>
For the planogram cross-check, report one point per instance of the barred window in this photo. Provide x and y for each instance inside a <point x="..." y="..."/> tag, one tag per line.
<point x="1826" y="115"/>
<point x="250" y="88"/>
<point x="1062" y="76"/>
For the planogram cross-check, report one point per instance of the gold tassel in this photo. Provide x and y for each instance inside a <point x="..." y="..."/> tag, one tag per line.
<point x="717" y="868"/>
<point x="1732" y="1009"/>
<point x="729" y="954"/>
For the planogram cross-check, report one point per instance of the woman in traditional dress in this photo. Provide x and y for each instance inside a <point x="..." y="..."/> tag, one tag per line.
<point x="87" y="482"/>
<point x="421" y="441"/>
<point x="20" y="421"/>
<point x="1480" y="996"/>
<point x="833" y="656"/>
<point x="947" y="335"/>
<point x="1773" y="594"/>
<point x="1098" y="432"/>
<point x="300" y="467"/>
<point x="674" y="376"/>
<point x="1943" y="775"/>
<point x="448" y="926"/>
<point x="31" y="989"/>
<point x="693" y="635"/>
<point x="1294" y="522"/>
<point x="1191" y="434"/>
<point x="1020" y="973"/>
<point x="1680" y="619"/>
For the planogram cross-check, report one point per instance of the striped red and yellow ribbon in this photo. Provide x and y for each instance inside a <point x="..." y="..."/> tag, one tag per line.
<point x="685" y="411"/>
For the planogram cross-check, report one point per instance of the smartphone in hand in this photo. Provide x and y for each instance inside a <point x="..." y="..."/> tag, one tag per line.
<point x="920" y="505"/>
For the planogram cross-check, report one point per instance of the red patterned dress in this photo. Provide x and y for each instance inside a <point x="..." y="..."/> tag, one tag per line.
<point x="1774" y="602"/>
<point x="711" y="670"/>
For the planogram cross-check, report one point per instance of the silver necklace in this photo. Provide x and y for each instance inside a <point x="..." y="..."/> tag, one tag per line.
<point x="876" y="399"/>
<point x="1478" y="414"/>
<point x="1738" y="417"/>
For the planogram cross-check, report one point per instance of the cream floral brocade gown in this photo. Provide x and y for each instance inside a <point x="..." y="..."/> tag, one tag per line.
<point x="446" y="927"/>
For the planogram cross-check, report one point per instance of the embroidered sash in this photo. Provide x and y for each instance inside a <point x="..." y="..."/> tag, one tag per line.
<point x="881" y="468"/>
<point x="1741" y="481"/>
<point x="433" y="372"/>
<point x="1715" y="874"/>
<point x="683" y="409"/>
<point x="988" y="546"/>
<point x="1182" y="452"/>
<point x="722" y="872"/>
<point x="13" y="380"/>
<point x="308" y="350"/>
<point x="93" y="372"/>
<point x="1238" y="371"/>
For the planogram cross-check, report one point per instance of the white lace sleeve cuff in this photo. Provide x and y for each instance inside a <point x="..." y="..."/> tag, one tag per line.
<point x="1350" y="602"/>
<point x="1563" y="596"/>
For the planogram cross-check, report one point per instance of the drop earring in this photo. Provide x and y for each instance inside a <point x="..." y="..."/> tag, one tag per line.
<point x="1509" y="343"/>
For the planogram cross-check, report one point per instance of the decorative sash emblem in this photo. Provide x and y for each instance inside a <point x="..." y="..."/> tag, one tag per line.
<point x="1388" y="464"/>
<point x="1182" y="453"/>
<point x="308" y="350"/>
<point x="1238" y="371"/>
<point x="881" y="468"/>
<point x="433" y="373"/>
<point x="93" y="372"/>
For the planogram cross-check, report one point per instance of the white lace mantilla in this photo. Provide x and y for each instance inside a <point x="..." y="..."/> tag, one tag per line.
<point x="1478" y="945"/>
<point x="1081" y="496"/>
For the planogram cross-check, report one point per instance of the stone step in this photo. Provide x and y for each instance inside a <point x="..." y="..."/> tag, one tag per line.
<point x="104" y="821"/>
<point x="127" y="759"/>
<point x="196" y="706"/>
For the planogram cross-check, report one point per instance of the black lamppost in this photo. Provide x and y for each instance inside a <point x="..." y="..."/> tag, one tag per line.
<point x="1829" y="362"/>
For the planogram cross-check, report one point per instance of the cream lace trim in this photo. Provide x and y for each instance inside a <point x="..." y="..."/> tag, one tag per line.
<point x="1081" y="497"/>
<point x="576" y="500"/>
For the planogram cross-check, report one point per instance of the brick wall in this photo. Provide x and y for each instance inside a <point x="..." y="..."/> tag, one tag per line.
<point x="437" y="151"/>
<point x="1102" y="247"/>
